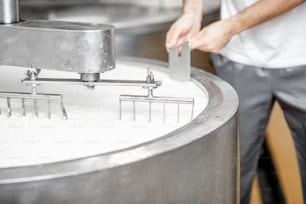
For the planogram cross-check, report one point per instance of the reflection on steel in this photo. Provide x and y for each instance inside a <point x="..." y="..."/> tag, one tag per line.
<point x="74" y="47"/>
<point x="65" y="46"/>
<point x="9" y="11"/>
<point x="196" y="163"/>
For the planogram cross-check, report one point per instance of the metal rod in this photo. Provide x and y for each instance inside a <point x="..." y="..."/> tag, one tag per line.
<point x="120" y="109"/>
<point x="192" y="109"/>
<point x="65" y="116"/>
<point x="164" y="112"/>
<point x="23" y="107"/>
<point x="150" y="111"/>
<point x="134" y="111"/>
<point x="49" y="109"/>
<point x="105" y="82"/>
<point x="9" y="108"/>
<point x="178" y="113"/>
<point x="19" y="95"/>
<point x="35" y="108"/>
<point x="9" y="11"/>
<point x="156" y="99"/>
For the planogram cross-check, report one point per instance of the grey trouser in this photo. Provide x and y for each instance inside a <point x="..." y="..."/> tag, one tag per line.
<point x="257" y="89"/>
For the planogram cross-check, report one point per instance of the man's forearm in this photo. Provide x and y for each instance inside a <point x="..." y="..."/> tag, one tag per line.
<point x="193" y="7"/>
<point x="261" y="11"/>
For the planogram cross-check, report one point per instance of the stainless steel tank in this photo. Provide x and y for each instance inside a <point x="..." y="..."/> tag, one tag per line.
<point x="197" y="163"/>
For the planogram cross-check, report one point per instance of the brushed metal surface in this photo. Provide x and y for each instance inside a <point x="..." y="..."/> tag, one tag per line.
<point x="196" y="163"/>
<point x="65" y="46"/>
<point x="180" y="63"/>
<point x="9" y="11"/>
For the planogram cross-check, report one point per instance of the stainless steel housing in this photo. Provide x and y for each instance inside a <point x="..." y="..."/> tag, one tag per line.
<point x="9" y="11"/>
<point x="196" y="163"/>
<point x="74" y="47"/>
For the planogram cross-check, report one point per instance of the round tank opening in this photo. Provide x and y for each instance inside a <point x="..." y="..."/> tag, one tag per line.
<point x="93" y="126"/>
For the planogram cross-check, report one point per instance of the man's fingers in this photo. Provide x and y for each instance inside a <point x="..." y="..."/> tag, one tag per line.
<point x="202" y="44"/>
<point x="195" y="42"/>
<point x="178" y="45"/>
<point x="172" y="37"/>
<point x="176" y="35"/>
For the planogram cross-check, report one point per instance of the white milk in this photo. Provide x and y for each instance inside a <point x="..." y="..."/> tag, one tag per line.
<point x="93" y="126"/>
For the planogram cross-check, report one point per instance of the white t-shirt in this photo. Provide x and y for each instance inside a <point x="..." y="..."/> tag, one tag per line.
<point x="278" y="43"/>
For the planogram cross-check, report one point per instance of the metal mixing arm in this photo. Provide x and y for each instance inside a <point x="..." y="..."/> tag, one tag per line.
<point x="147" y="84"/>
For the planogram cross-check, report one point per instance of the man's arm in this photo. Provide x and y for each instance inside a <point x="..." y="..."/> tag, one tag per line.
<point x="260" y="12"/>
<point x="215" y="36"/>
<point x="188" y="25"/>
<point x="193" y="7"/>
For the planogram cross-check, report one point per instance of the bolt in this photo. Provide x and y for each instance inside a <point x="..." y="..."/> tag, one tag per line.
<point x="90" y="87"/>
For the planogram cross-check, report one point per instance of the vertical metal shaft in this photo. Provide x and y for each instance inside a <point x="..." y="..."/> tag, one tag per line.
<point x="192" y="109"/>
<point x="150" y="111"/>
<point x="164" y="112"/>
<point x="49" y="109"/>
<point x="134" y="111"/>
<point x="65" y="116"/>
<point x="9" y="108"/>
<point x="178" y="113"/>
<point x="120" y="109"/>
<point x="23" y="107"/>
<point x="35" y="108"/>
<point x="9" y="11"/>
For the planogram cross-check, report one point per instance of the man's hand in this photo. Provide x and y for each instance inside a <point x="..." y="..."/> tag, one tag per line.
<point x="212" y="38"/>
<point x="215" y="36"/>
<point x="186" y="27"/>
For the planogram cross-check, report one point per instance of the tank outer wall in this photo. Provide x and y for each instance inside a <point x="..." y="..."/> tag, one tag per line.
<point x="204" y="171"/>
